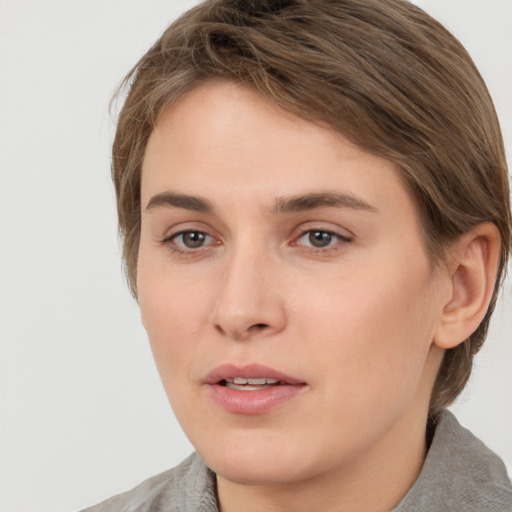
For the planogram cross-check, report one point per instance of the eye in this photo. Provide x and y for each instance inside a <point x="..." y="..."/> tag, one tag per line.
<point x="192" y="239"/>
<point x="189" y="240"/>
<point x="321" y="239"/>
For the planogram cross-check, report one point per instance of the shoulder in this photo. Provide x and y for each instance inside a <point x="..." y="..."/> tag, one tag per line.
<point x="459" y="473"/>
<point x="189" y="486"/>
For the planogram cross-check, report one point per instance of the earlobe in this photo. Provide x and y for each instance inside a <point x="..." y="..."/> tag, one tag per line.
<point x="473" y="269"/>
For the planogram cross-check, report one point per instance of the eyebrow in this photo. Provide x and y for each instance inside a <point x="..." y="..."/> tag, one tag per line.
<point x="171" y="199"/>
<point x="329" y="199"/>
<point x="293" y="204"/>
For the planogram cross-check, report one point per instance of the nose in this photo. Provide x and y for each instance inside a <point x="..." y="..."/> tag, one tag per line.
<point x="250" y="300"/>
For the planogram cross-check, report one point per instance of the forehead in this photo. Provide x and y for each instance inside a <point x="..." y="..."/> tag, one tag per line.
<point x="227" y="142"/>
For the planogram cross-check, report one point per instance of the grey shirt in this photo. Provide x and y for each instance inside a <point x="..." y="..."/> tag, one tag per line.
<point x="459" y="474"/>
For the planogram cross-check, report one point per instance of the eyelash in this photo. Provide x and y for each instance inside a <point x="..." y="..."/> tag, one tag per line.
<point x="342" y="240"/>
<point x="170" y="243"/>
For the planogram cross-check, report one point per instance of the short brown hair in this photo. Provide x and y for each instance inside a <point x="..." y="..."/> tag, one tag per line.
<point x="382" y="72"/>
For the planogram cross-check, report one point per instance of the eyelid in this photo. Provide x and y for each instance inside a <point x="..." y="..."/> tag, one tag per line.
<point x="174" y="229"/>
<point x="341" y="239"/>
<point x="326" y="230"/>
<point x="338" y="231"/>
<point x="185" y="231"/>
<point x="169" y="240"/>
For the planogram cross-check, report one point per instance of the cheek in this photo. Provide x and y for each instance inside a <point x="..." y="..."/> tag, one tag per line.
<point x="174" y="312"/>
<point x="376" y="329"/>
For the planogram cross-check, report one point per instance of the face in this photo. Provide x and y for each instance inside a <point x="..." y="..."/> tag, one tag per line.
<point x="283" y="283"/>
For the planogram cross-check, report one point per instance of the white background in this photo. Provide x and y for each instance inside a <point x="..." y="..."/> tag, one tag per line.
<point x="83" y="414"/>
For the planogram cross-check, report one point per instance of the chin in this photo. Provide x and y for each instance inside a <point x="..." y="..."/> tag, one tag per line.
<point x="254" y="461"/>
<point x="258" y="473"/>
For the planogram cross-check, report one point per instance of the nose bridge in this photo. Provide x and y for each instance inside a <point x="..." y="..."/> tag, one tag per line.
<point x="249" y="301"/>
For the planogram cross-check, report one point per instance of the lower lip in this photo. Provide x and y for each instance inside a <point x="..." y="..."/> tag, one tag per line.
<point x="253" y="402"/>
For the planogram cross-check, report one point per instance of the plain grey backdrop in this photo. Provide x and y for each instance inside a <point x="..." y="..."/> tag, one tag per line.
<point x="83" y="413"/>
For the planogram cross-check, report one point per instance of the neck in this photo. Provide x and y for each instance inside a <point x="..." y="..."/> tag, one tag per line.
<point x="377" y="481"/>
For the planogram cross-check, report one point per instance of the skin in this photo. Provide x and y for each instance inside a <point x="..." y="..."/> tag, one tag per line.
<point x="356" y="320"/>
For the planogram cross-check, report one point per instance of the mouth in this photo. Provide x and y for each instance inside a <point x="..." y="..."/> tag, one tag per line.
<point x="242" y="384"/>
<point x="251" y="389"/>
<point x="230" y="375"/>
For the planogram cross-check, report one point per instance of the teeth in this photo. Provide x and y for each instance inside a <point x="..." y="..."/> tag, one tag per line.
<point x="256" y="382"/>
<point x="253" y="382"/>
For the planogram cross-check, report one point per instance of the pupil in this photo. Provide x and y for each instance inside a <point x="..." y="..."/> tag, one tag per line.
<point x="193" y="239"/>
<point x="320" y="238"/>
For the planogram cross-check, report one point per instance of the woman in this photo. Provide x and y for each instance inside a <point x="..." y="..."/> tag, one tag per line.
<point x="314" y="206"/>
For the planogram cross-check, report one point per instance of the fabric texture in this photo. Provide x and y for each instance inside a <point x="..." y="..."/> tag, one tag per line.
<point x="460" y="474"/>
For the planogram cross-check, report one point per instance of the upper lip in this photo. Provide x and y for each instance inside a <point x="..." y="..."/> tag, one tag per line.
<point x="248" y="371"/>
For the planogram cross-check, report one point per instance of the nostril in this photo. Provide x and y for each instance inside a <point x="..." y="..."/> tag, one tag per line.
<point x="259" y="327"/>
<point x="241" y="333"/>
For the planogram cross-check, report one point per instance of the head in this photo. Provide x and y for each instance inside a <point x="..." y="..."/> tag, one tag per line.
<point x="382" y="74"/>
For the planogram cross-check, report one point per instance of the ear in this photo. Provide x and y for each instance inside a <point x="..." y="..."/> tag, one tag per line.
<point x="473" y="267"/>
